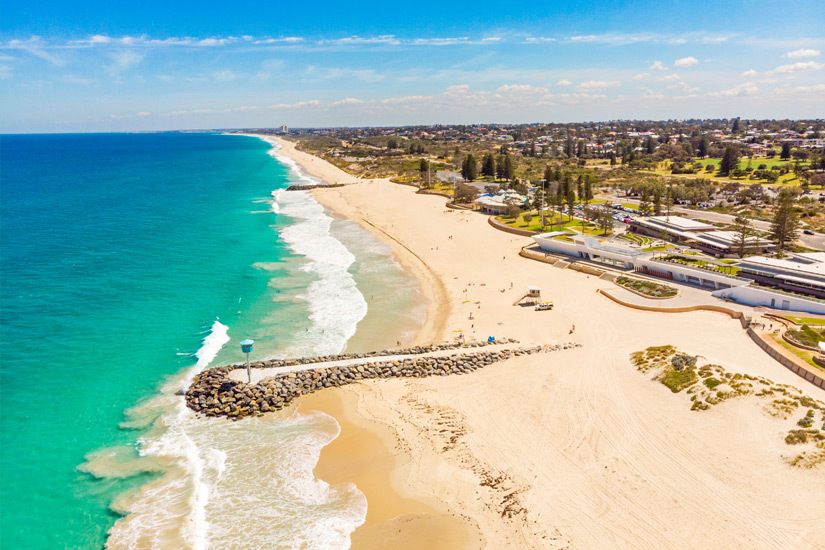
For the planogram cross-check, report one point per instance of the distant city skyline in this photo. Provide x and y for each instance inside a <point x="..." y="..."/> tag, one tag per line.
<point x="197" y="66"/>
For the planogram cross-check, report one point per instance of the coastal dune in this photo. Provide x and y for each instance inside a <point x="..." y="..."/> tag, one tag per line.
<point x="575" y="450"/>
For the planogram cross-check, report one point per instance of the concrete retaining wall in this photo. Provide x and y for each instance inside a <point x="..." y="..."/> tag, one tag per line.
<point x="514" y="230"/>
<point x="804" y="371"/>
<point x="744" y="320"/>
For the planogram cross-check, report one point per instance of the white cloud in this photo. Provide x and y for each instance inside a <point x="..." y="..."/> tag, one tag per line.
<point x="803" y="52"/>
<point x="224" y="76"/>
<point x="593" y="85"/>
<point x="99" y="39"/>
<point x="685" y="62"/>
<point x="640" y="76"/>
<point x="35" y="46"/>
<point x="538" y="39"/>
<point x="564" y="83"/>
<point x="616" y="38"/>
<point x="125" y="59"/>
<point x="245" y="108"/>
<point x="798" y="67"/>
<point x="684" y="87"/>
<point x="439" y="41"/>
<point x="214" y="41"/>
<point x="286" y="39"/>
<point x="715" y="39"/>
<point x="352" y="40"/>
<point x="657" y="66"/>
<point x="521" y="89"/>
<point x="74" y="79"/>
<point x="742" y="90"/>
<point x="491" y="39"/>
<point x="144" y="113"/>
<point x="299" y="105"/>
<point x="407" y="99"/>
<point x="6" y="72"/>
<point x="669" y="78"/>
<point x="749" y="73"/>
<point x="804" y="92"/>
<point x="346" y="101"/>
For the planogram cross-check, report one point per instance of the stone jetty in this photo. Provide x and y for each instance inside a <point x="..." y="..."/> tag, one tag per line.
<point x="213" y="393"/>
<point x="310" y="187"/>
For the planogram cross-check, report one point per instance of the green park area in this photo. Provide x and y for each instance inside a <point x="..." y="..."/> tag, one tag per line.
<point x="531" y="221"/>
<point x="663" y="168"/>
<point x="727" y="269"/>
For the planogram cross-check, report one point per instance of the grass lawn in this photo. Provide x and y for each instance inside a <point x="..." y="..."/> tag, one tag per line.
<point x="805" y="355"/>
<point x="730" y="270"/>
<point x="805" y="320"/>
<point x="663" y="169"/>
<point x="560" y="223"/>
<point x="628" y="205"/>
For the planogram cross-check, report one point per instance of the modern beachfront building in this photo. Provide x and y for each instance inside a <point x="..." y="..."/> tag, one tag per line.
<point x="698" y="234"/>
<point x="497" y="204"/>
<point x="803" y="273"/>
<point x="737" y="288"/>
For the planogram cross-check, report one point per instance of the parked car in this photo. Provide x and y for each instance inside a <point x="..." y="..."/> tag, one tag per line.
<point x="808" y="232"/>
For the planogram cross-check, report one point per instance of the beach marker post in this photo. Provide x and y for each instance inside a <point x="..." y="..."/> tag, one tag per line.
<point x="246" y="347"/>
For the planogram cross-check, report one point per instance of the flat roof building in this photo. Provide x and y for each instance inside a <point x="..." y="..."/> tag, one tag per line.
<point x="695" y="233"/>
<point x="803" y="273"/>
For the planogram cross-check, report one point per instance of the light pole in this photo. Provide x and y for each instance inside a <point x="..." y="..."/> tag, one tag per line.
<point x="246" y="347"/>
<point x="543" y="191"/>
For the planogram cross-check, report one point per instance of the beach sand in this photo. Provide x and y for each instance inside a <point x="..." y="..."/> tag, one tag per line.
<point x="572" y="449"/>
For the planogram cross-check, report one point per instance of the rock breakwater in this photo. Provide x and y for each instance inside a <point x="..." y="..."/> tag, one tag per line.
<point x="213" y="393"/>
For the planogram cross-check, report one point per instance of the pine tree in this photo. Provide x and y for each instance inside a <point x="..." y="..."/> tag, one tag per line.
<point x="548" y="174"/>
<point x="488" y="166"/>
<point x="571" y="199"/>
<point x="509" y="168"/>
<point x="730" y="161"/>
<point x="702" y="147"/>
<point x="784" y="226"/>
<point x="743" y="231"/>
<point x="469" y="169"/>
<point x="500" y="167"/>
<point x="786" y="151"/>
<point x="588" y="190"/>
<point x="568" y="147"/>
<point x="657" y="203"/>
<point x="644" y="203"/>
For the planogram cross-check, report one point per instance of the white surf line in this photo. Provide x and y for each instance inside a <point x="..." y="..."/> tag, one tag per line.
<point x="239" y="374"/>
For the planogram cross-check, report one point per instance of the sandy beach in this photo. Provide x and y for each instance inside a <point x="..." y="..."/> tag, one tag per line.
<point x="578" y="449"/>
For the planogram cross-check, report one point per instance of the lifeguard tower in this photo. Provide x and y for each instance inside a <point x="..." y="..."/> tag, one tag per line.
<point x="531" y="297"/>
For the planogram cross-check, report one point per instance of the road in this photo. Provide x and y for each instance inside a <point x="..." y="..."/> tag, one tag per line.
<point x="815" y="241"/>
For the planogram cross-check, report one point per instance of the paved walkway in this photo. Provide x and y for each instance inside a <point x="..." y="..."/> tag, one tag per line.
<point x="688" y="297"/>
<point x="260" y="374"/>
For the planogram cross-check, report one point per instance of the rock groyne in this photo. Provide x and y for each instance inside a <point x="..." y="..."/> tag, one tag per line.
<point x="213" y="393"/>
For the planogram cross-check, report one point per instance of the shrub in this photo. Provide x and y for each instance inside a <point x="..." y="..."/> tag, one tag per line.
<point x="711" y="383"/>
<point x="679" y="362"/>
<point x="679" y="380"/>
<point x="806" y="421"/>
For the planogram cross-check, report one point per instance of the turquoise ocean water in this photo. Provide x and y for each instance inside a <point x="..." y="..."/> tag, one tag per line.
<point x="127" y="263"/>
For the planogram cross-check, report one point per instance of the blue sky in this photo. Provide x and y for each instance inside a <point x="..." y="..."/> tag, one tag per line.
<point x="111" y="66"/>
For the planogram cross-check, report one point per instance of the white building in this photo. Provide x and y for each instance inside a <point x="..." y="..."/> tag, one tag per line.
<point x="695" y="233"/>
<point x="737" y="288"/>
